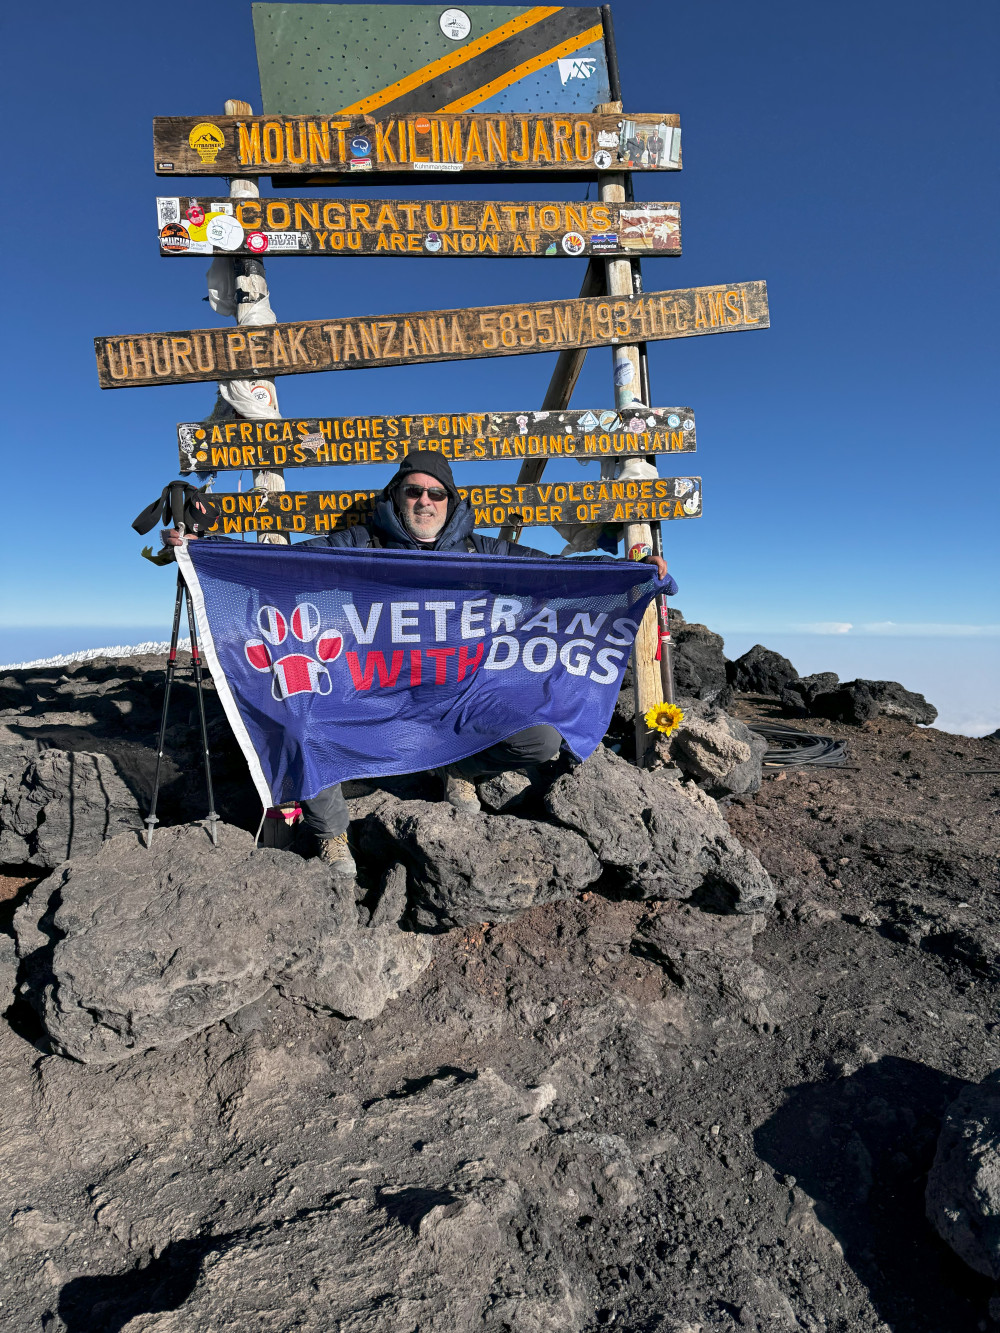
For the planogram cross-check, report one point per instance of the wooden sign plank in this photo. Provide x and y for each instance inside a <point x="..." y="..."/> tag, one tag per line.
<point x="312" y="513"/>
<point x="422" y="336"/>
<point x="326" y="150"/>
<point x="433" y="228"/>
<point x="466" y="437"/>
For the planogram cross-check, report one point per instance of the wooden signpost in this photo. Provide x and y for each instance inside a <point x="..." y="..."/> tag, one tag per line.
<point x="325" y="150"/>
<point x="466" y="437"/>
<point x="415" y="337"/>
<point x="437" y="96"/>
<point x="313" y="513"/>
<point x="435" y="229"/>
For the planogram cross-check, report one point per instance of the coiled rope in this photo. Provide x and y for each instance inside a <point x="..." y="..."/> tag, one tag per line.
<point x="798" y="749"/>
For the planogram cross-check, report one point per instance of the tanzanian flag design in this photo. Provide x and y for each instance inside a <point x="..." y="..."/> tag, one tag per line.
<point x="391" y="60"/>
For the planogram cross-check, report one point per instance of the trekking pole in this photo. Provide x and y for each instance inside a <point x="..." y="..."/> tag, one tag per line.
<point x="212" y="817"/>
<point x="151" y="821"/>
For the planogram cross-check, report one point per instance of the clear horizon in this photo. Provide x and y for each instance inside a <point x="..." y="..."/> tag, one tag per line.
<point x="957" y="677"/>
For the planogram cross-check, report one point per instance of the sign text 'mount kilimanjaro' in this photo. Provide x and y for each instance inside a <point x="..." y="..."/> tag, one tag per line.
<point x="360" y="147"/>
<point x="301" y="348"/>
<point x="312" y="513"/>
<point x="433" y="228"/>
<point x="463" y="437"/>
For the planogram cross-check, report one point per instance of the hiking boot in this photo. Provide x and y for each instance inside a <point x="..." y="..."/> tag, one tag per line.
<point x="335" y="853"/>
<point x="460" y="793"/>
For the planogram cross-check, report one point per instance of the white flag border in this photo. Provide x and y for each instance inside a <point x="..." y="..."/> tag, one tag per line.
<point x="190" y="577"/>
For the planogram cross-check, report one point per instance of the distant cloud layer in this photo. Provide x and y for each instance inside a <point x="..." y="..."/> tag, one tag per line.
<point x="900" y="629"/>
<point x="929" y="627"/>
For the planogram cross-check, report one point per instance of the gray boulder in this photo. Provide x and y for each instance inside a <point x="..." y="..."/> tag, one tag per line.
<point x="963" y="1188"/>
<point x="128" y="949"/>
<point x="59" y="803"/>
<point x="464" y="869"/>
<point x="761" y="671"/>
<point x="8" y="971"/>
<point x="661" y="838"/>
<point x="504" y="792"/>
<point x="719" y="752"/>
<point x="861" y="700"/>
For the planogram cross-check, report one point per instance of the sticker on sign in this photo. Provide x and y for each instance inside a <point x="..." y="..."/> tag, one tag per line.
<point x="283" y="240"/>
<point x="576" y="67"/>
<point x="456" y="24"/>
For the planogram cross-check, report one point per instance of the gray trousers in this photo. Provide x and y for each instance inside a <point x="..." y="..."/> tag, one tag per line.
<point x="327" y="814"/>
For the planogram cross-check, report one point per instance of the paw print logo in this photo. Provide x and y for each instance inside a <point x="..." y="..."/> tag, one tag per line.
<point x="296" y="672"/>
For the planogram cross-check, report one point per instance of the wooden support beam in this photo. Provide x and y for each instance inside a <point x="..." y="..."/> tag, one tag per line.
<point x="565" y="374"/>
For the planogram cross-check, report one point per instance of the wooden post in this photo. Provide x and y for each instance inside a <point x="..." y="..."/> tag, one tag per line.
<point x="568" y="366"/>
<point x="251" y="287"/>
<point x="647" y="684"/>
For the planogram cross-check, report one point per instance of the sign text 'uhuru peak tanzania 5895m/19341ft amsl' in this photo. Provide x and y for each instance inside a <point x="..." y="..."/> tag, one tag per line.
<point x="127" y="361"/>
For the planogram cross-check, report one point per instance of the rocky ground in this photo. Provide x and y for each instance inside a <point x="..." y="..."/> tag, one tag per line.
<point x="691" y="1073"/>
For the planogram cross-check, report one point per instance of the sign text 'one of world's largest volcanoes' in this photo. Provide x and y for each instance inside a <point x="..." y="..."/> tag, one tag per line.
<point x="362" y="147"/>
<point x="301" y="348"/>
<point x="314" y="513"/>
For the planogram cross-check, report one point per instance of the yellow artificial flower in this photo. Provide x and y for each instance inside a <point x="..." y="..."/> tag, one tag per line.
<point x="664" y="717"/>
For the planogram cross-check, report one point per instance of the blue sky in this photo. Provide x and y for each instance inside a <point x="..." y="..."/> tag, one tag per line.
<point x="841" y="153"/>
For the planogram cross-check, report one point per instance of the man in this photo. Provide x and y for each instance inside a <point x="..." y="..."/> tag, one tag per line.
<point x="421" y="510"/>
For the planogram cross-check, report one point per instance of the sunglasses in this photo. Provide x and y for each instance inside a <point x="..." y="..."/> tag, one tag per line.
<point x="432" y="492"/>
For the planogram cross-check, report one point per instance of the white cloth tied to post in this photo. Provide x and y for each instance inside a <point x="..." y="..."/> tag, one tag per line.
<point x="585" y="537"/>
<point x="255" y="400"/>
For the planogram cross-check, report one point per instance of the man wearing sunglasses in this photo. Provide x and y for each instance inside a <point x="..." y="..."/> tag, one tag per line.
<point x="421" y="510"/>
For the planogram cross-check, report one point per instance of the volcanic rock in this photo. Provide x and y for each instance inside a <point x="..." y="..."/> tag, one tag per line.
<point x="464" y="869"/>
<point x="963" y="1189"/>
<point x="57" y="804"/>
<point x="860" y="700"/>
<point x="797" y="695"/>
<point x="660" y="838"/>
<point x="719" y="752"/>
<point x="504" y="792"/>
<point x="129" y="949"/>
<point x="699" y="663"/>
<point x="761" y="671"/>
<point x="433" y="1239"/>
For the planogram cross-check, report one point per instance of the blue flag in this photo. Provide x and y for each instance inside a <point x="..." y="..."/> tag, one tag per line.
<point x="351" y="663"/>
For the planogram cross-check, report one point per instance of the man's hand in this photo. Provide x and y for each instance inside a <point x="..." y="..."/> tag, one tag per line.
<point x="659" y="562"/>
<point x="172" y="537"/>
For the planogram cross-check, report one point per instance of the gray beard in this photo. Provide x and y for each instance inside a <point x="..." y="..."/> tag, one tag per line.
<point x="421" y="536"/>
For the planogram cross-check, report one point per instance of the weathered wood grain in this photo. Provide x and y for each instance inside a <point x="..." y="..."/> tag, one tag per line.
<point x="411" y="338"/>
<point x="434" y="229"/>
<point x="323" y="149"/>
<point x="466" y="437"/>
<point x="312" y="513"/>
